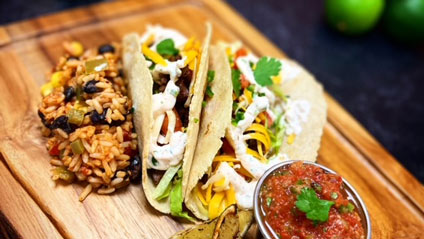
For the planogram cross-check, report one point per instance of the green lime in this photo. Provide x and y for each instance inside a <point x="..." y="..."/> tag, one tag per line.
<point x="404" y="20"/>
<point x="353" y="17"/>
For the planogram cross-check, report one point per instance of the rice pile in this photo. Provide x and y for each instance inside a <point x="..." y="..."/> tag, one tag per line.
<point x="87" y="117"/>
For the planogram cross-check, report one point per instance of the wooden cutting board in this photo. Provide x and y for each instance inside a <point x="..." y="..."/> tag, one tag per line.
<point x="33" y="206"/>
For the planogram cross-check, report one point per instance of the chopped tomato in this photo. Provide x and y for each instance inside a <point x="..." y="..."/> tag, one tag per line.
<point x="54" y="151"/>
<point x="226" y="147"/>
<point x="127" y="136"/>
<point x="244" y="82"/>
<point x="178" y="124"/>
<point x="241" y="52"/>
<point x="130" y="152"/>
<point x="268" y="117"/>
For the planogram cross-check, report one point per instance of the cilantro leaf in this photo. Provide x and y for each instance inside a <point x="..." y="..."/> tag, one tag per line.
<point x="315" y="208"/>
<point x="239" y="116"/>
<point x="265" y="69"/>
<point x="167" y="48"/>
<point x="211" y="76"/>
<point x="235" y="77"/>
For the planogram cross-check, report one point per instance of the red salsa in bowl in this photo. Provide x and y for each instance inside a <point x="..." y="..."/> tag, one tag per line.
<point x="302" y="200"/>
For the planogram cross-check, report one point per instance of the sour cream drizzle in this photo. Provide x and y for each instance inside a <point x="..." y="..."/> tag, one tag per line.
<point x="172" y="153"/>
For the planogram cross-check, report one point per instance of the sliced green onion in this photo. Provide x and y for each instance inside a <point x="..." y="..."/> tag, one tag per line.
<point x="334" y="195"/>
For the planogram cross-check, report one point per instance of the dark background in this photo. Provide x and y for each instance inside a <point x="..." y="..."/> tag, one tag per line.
<point x="376" y="79"/>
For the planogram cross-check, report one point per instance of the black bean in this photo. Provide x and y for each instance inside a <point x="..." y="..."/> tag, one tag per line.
<point x="41" y="115"/>
<point x="121" y="72"/>
<point x="106" y="48"/>
<point x="69" y="93"/>
<point x="62" y="123"/>
<point x="90" y="87"/>
<point x="43" y="119"/>
<point x="97" y="118"/>
<point x="135" y="168"/>
<point x="117" y="122"/>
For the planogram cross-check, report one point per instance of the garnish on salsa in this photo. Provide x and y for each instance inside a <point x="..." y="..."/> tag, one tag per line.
<point x="303" y="201"/>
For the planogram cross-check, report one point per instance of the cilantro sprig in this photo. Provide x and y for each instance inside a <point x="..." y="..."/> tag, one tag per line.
<point x="315" y="208"/>
<point x="265" y="69"/>
<point x="167" y="48"/>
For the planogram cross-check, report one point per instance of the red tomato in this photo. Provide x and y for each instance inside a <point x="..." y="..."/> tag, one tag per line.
<point x="241" y="52"/>
<point x="127" y="136"/>
<point x="54" y="151"/>
<point x="270" y="121"/>
<point x="178" y="124"/>
<point x="244" y="82"/>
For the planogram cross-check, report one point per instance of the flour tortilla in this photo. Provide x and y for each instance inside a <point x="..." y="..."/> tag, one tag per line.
<point x="216" y="117"/>
<point x="298" y="84"/>
<point x="141" y="87"/>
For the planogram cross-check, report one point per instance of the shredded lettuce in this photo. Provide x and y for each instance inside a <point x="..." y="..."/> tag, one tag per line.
<point x="277" y="133"/>
<point x="165" y="182"/>
<point x="176" y="199"/>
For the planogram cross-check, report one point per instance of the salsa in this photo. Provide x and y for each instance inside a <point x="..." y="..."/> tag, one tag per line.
<point x="303" y="201"/>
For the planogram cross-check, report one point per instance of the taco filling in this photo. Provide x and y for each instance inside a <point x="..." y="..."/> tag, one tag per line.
<point x="262" y="118"/>
<point x="173" y="61"/>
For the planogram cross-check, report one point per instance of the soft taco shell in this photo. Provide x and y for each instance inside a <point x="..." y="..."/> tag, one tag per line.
<point x="141" y="87"/>
<point x="216" y="117"/>
<point x="299" y="84"/>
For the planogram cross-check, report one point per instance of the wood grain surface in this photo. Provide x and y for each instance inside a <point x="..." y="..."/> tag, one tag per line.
<point x="33" y="206"/>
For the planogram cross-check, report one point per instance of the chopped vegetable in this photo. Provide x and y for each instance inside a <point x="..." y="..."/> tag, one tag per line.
<point x="62" y="173"/>
<point x="277" y="136"/>
<point x="239" y="116"/>
<point x="167" y="48"/>
<point x="209" y="91"/>
<point x="76" y="116"/>
<point x="96" y="65"/>
<point x="77" y="147"/>
<point x="334" y="195"/>
<point x="79" y="92"/>
<point x="165" y="181"/>
<point x="54" y="151"/>
<point x="47" y="89"/>
<point x="176" y="199"/>
<point x="268" y="201"/>
<point x="57" y="79"/>
<point x="74" y="48"/>
<point x="211" y="76"/>
<point x="265" y="69"/>
<point x="345" y="209"/>
<point x="315" y="208"/>
<point x="235" y="77"/>
<point x="154" y="56"/>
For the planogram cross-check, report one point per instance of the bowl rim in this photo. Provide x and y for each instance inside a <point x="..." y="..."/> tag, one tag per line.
<point x="257" y="208"/>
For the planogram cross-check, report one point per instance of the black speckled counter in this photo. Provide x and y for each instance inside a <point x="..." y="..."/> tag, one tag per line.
<point x="378" y="81"/>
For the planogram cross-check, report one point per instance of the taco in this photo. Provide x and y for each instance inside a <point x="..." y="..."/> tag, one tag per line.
<point x="277" y="112"/>
<point x="167" y="80"/>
